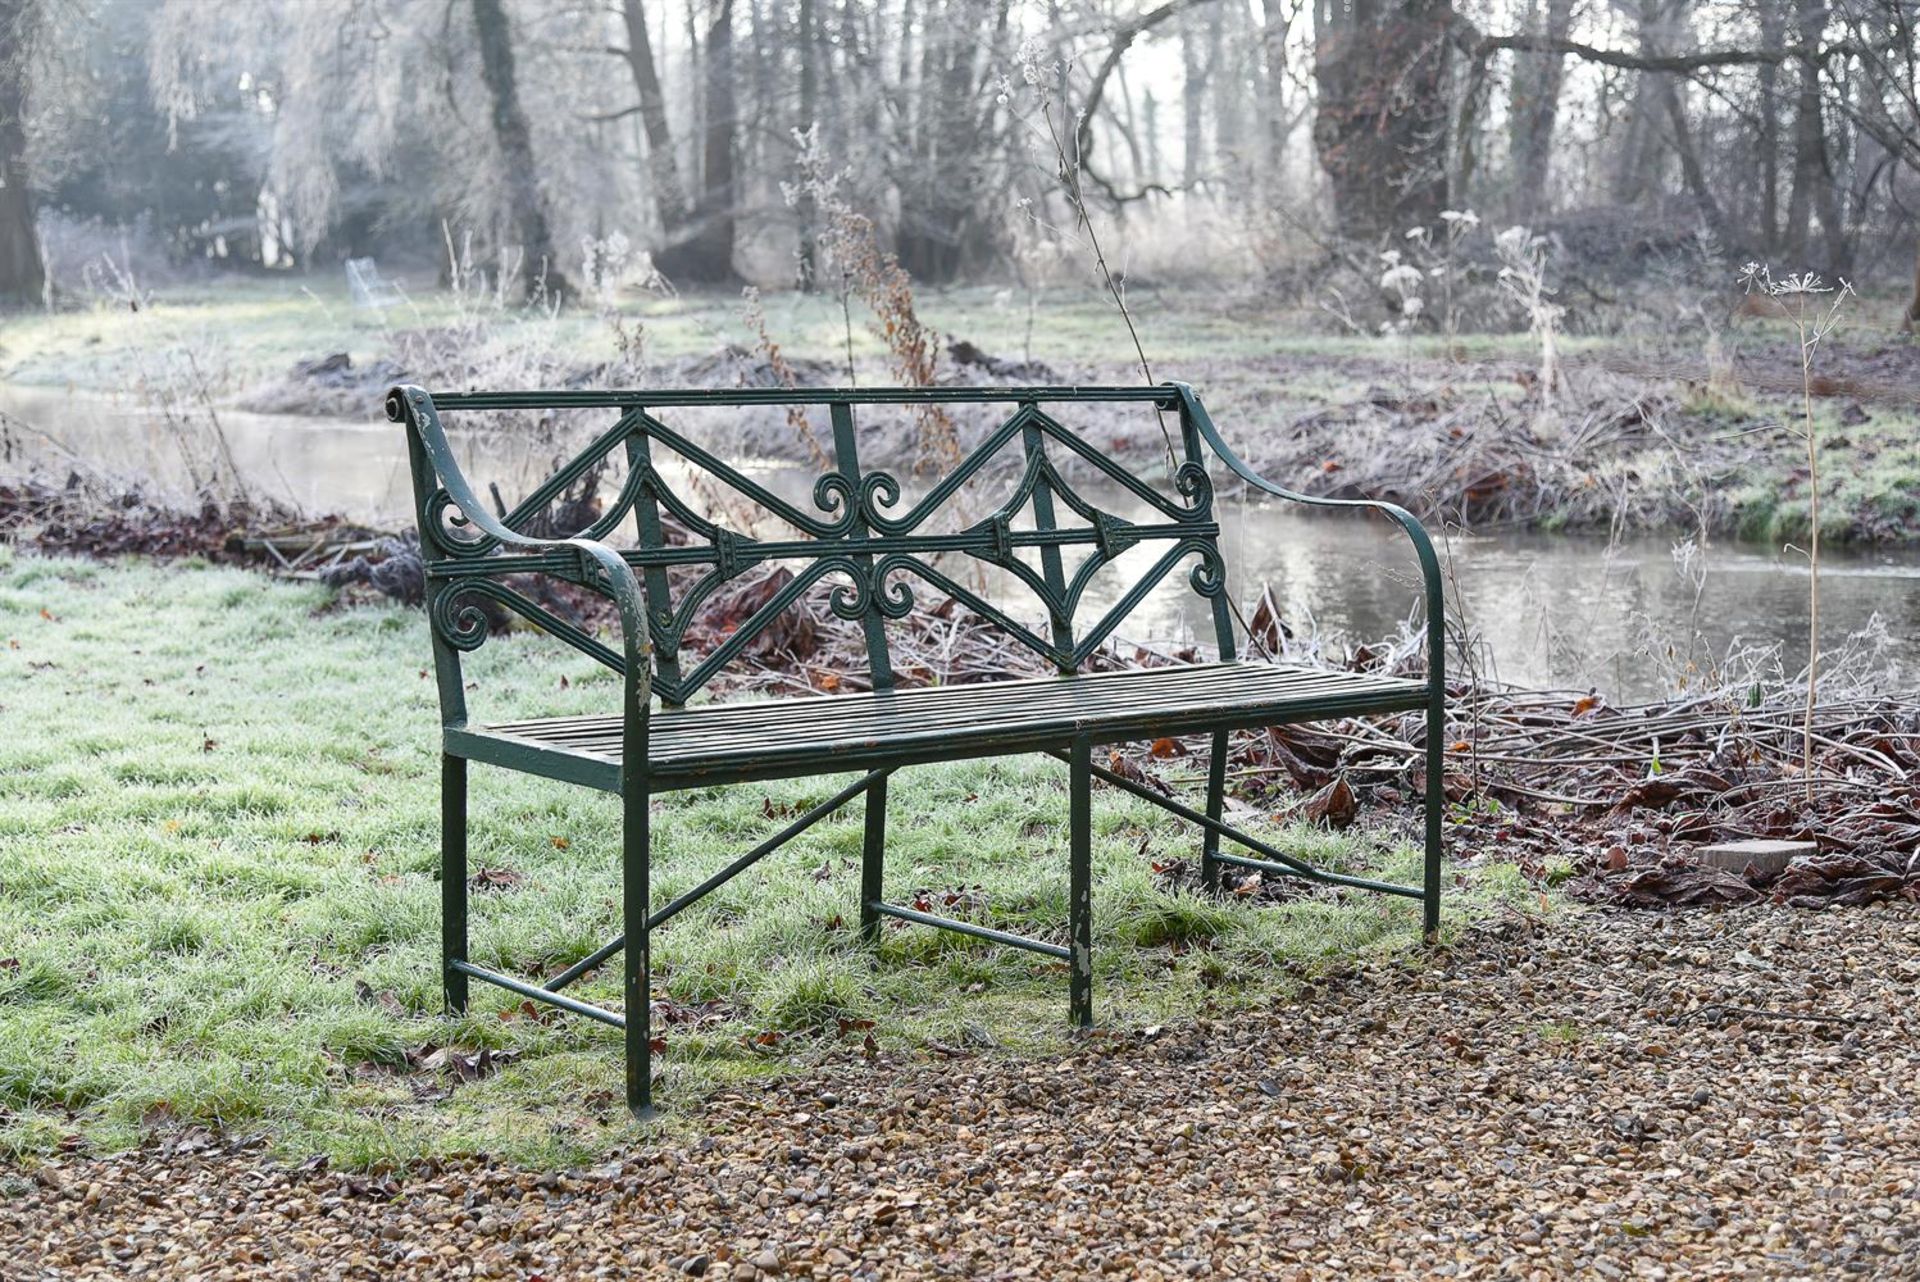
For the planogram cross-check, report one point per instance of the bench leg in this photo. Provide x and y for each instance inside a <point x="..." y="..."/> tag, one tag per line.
<point x="453" y="878"/>
<point x="873" y="857"/>
<point x="635" y="855"/>
<point x="1080" y="884"/>
<point x="1436" y="806"/>
<point x="1216" y="806"/>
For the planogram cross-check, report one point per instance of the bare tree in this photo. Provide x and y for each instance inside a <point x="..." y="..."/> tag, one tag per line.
<point x="23" y="277"/>
<point x="703" y="249"/>
<point x="668" y="194"/>
<point x="514" y="137"/>
<point x="1381" y="127"/>
<point x="1534" y="107"/>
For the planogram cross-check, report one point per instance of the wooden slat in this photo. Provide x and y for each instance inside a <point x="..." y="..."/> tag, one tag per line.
<point x="711" y="743"/>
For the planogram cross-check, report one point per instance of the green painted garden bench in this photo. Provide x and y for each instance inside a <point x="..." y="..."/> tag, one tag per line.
<point x="867" y="541"/>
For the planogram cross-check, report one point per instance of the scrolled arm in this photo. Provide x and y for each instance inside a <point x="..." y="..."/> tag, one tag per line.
<point x="599" y="565"/>
<point x="1407" y="521"/>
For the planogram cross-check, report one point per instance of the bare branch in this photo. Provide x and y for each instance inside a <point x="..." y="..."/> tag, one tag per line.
<point x="1123" y="37"/>
<point x="1678" y="63"/>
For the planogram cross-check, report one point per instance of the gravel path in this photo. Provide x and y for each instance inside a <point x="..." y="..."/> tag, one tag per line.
<point x="1702" y="1095"/>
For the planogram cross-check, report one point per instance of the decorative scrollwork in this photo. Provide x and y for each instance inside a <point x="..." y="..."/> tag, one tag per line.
<point x="882" y="490"/>
<point x="1196" y="487"/>
<point x="833" y="492"/>
<point x="893" y="598"/>
<point x="458" y="618"/>
<point x="456" y="615"/>
<point x="849" y="600"/>
<point x="448" y="532"/>
<point x="761" y="497"/>
<point x="1209" y="576"/>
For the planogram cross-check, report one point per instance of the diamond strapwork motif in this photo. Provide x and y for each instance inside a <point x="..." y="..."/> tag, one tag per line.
<point x="861" y="534"/>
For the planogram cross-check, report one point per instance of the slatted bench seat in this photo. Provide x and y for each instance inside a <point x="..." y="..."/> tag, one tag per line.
<point x="859" y="546"/>
<point x="776" y="738"/>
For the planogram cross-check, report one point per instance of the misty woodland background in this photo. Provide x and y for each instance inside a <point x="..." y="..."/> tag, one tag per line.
<point x="1245" y="141"/>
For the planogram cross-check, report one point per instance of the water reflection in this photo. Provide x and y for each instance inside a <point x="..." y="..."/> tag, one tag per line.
<point x="1555" y="610"/>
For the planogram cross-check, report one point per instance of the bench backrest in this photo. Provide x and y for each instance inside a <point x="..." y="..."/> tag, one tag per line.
<point x="860" y="539"/>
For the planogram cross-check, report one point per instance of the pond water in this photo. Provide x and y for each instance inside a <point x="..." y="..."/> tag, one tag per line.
<point x="1564" y="611"/>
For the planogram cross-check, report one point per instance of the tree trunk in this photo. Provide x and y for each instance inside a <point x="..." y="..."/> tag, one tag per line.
<point x="23" y="277"/>
<point x="1150" y="112"/>
<point x="1912" y="316"/>
<point x="1691" y="170"/>
<point x="1226" y="85"/>
<point x="1381" y="124"/>
<point x="1274" y="123"/>
<point x="1635" y="166"/>
<point x="706" y="255"/>
<point x="1535" y="107"/>
<point x="854" y="62"/>
<point x="515" y="139"/>
<point x="1772" y="36"/>
<point x="669" y="197"/>
<point x="1129" y="128"/>
<point x="809" y="119"/>
<point x="1193" y="102"/>
<point x="1813" y="182"/>
<point x="943" y="229"/>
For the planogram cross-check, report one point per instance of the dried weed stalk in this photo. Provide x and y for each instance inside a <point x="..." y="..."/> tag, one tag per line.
<point x="849" y="244"/>
<point x="172" y="381"/>
<point x="1813" y="308"/>
<point x="753" y="314"/>
<point x="1048" y="79"/>
<point x="1523" y="277"/>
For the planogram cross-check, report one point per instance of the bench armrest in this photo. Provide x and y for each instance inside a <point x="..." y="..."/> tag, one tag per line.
<point x="1422" y="541"/>
<point x="599" y="565"/>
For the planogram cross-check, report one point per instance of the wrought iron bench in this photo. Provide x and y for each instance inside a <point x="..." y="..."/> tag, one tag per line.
<point x="867" y="541"/>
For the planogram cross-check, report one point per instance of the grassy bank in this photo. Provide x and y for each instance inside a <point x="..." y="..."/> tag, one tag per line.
<point x="257" y="328"/>
<point x="218" y="901"/>
<point x="1648" y="433"/>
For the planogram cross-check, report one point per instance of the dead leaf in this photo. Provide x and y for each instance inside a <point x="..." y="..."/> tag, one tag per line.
<point x="363" y="992"/>
<point x="1334" y="805"/>
<point x="468" y="1067"/>
<point x="1266" y="626"/>
<point x="494" y="879"/>
<point x="529" y="1009"/>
